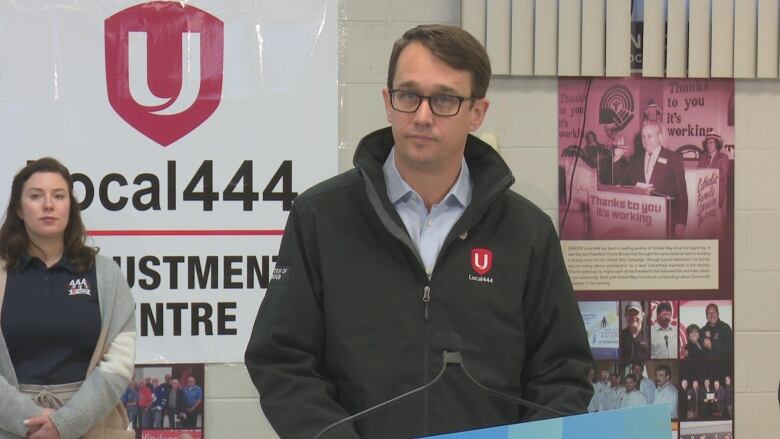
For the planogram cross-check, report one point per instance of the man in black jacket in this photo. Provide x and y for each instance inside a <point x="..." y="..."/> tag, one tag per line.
<point x="423" y="238"/>
<point x="717" y="337"/>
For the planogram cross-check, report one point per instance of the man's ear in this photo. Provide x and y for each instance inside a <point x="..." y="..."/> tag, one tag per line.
<point x="388" y="106"/>
<point x="477" y="113"/>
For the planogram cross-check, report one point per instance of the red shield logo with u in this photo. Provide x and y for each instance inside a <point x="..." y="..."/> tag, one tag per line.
<point x="164" y="63"/>
<point x="481" y="260"/>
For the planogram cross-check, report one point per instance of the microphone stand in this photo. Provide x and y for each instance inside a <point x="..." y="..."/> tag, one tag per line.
<point x="451" y="341"/>
<point x="504" y="396"/>
<point x="448" y="359"/>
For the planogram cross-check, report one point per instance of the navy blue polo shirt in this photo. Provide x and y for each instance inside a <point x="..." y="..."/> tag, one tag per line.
<point x="50" y="321"/>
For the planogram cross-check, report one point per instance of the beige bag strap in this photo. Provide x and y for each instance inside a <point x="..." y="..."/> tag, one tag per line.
<point x="100" y="349"/>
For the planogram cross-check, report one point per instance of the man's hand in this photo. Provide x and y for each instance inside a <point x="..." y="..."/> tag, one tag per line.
<point x="41" y="427"/>
<point x="707" y="344"/>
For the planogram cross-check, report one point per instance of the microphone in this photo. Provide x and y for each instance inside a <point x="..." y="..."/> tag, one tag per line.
<point x="440" y="340"/>
<point x="666" y="339"/>
<point x="455" y="357"/>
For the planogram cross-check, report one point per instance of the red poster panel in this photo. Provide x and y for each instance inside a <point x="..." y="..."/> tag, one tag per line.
<point x="646" y="172"/>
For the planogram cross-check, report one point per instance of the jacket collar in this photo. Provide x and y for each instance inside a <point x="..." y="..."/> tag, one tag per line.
<point x="488" y="170"/>
<point x="398" y="188"/>
<point x="490" y="175"/>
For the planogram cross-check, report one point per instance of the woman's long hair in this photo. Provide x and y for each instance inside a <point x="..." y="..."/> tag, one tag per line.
<point x="14" y="241"/>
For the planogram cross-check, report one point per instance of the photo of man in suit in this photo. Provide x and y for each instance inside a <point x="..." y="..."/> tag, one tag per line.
<point x="658" y="169"/>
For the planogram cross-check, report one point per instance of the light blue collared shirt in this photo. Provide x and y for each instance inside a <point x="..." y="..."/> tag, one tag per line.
<point x="427" y="230"/>
<point x="667" y="393"/>
<point x="647" y="387"/>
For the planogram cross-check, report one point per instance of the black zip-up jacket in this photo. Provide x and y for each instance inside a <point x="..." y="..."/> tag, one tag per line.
<point x="350" y="316"/>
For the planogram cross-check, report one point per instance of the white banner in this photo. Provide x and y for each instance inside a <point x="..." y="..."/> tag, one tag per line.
<point x="189" y="128"/>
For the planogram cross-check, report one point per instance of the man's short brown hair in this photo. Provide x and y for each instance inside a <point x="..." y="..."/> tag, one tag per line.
<point x="454" y="46"/>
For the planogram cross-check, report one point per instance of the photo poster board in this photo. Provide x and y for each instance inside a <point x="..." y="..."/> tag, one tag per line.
<point x="181" y="125"/>
<point x="627" y="261"/>
<point x="153" y="410"/>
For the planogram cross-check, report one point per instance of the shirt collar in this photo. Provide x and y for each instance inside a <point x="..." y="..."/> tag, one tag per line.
<point x="397" y="188"/>
<point x="64" y="262"/>
<point x="654" y="155"/>
<point x="24" y="261"/>
<point x="67" y="264"/>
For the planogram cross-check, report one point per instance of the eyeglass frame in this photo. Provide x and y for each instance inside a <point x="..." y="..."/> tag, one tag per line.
<point x="460" y="99"/>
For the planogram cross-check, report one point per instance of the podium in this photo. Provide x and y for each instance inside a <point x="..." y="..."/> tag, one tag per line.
<point x="645" y="422"/>
<point x="619" y="212"/>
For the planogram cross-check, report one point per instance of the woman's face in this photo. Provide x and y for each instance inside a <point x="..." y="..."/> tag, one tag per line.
<point x="693" y="337"/>
<point x="712" y="146"/>
<point x="45" y="206"/>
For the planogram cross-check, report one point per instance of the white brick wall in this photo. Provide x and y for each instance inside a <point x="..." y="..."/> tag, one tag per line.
<point x="232" y="408"/>
<point x="757" y="240"/>
<point x="523" y="117"/>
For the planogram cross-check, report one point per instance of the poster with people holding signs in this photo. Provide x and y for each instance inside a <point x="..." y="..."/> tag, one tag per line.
<point x="646" y="172"/>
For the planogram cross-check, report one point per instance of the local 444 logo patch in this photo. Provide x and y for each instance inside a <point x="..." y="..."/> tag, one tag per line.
<point x="164" y="64"/>
<point x="481" y="260"/>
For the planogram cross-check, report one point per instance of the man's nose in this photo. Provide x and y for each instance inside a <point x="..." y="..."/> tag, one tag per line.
<point x="424" y="115"/>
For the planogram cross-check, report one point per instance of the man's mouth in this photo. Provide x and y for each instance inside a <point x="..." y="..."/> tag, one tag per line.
<point x="421" y="138"/>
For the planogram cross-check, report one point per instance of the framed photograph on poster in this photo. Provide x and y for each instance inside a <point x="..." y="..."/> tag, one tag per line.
<point x="634" y="332"/>
<point x="166" y="401"/>
<point x="707" y="325"/>
<point x="602" y="323"/>
<point x="664" y="329"/>
<point x="706" y="430"/>
<point x="647" y="173"/>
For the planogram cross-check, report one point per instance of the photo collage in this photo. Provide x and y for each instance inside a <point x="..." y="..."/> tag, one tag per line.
<point x="646" y="217"/>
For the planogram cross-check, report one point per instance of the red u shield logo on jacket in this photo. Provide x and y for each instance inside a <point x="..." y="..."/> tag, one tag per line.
<point x="164" y="64"/>
<point x="481" y="260"/>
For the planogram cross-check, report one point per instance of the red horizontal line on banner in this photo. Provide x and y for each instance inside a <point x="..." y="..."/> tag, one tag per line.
<point x="209" y="232"/>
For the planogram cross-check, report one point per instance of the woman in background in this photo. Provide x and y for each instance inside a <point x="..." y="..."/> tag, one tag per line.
<point x="713" y="158"/>
<point x="67" y="326"/>
<point x="693" y="349"/>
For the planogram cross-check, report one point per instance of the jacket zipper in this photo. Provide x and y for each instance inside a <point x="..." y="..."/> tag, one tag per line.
<point x="426" y="298"/>
<point x="427" y="302"/>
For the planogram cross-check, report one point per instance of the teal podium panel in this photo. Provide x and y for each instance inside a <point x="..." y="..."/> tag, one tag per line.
<point x="645" y="422"/>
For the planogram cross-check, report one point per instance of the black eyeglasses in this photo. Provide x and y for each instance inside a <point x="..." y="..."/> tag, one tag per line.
<point x="407" y="101"/>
